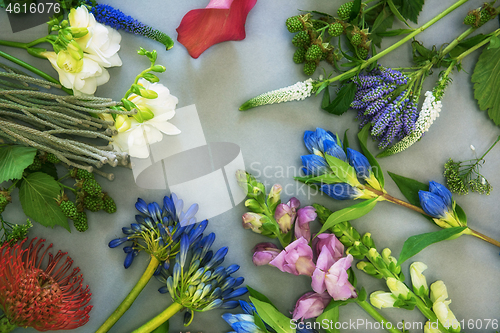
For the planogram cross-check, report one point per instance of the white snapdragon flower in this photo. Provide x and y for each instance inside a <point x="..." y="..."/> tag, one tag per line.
<point x="83" y="82"/>
<point x="158" y="111"/>
<point x="101" y="42"/>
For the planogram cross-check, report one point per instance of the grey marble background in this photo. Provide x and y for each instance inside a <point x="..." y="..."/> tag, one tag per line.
<point x="271" y="139"/>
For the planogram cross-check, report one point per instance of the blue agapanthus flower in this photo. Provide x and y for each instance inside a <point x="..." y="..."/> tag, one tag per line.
<point x="245" y="322"/>
<point x="198" y="281"/>
<point x="108" y="15"/>
<point x="158" y="230"/>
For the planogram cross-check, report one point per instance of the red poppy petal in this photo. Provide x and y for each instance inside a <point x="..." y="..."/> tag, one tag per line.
<point x="202" y="28"/>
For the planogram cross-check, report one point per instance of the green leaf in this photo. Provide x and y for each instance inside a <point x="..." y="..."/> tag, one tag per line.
<point x="494" y="42"/>
<point x="261" y="297"/>
<point x="417" y="243"/>
<point x="461" y="214"/>
<point x="395" y="32"/>
<point x="343" y="170"/>
<point x="327" y="178"/>
<point x="343" y="100"/>
<point x="395" y="11"/>
<point x="350" y="213"/>
<point x="355" y="10"/>
<point x="486" y="79"/>
<point x="163" y="328"/>
<point x="332" y="315"/>
<point x="37" y="195"/>
<point x="2" y="4"/>
<point x="409" y="187"/>
<point x="326" y="98"/>
<point x="13" y="161"/>
<point x="411" y="8"/>
<point x="466" y="44"/>
<point x="376" y="169"/>
<point x="271" y="316"/>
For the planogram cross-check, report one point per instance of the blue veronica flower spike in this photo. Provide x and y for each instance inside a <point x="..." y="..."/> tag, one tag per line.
<point x="158" y="230"/>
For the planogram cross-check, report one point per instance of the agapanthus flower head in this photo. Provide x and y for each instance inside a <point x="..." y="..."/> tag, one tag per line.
<point x="198" y="282"/>
<point x="50" y="298"/>
<point x="108" y="15"/>
<point x="158" y="230"/>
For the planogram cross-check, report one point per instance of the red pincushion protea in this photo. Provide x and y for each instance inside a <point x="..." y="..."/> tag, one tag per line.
<point x="45" y="299"/>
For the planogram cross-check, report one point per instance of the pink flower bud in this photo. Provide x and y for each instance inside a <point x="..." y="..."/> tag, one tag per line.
<point x="263" y="253"/>
<point x="252" y="221"/>
<point x="310" y="305"/>
<point x="304" y="216"/>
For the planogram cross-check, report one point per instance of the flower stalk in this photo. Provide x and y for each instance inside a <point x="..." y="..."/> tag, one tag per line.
<point x="159" y="319"/>
<point x="377" y="316"/>
<point x="132" y="295"/>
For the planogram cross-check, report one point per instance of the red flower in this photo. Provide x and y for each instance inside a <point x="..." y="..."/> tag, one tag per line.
<point x="220" y="21"/>
<point x="45" y="299"/>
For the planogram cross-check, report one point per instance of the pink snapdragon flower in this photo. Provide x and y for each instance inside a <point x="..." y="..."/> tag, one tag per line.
<point x="285" y="214"/>
<point x="310" y="305"/>
<point x="264" y="253"/>
<point x="333" y="245"/>
<point x="296" y="258"/>
<point x="305" y="215"/>
<point x="220" y="21"/>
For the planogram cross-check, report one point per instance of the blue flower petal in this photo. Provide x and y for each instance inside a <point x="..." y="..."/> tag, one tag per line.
<point x="333" y="149"/>
<point x="433" y="204"/>
<point x="117" y="242"/>
<point x="360" y="163"/>
<point x="142" y="206"/>
<point x="442" y="191"/>
<point x="341" y="191"/>
<point x="315" y="165"/>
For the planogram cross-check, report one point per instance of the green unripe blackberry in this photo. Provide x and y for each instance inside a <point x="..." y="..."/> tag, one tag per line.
<point x="301" y="39"/>
<point x="36" y="165"/>
<point x="299" y="56"/>
<point x="69" y="209"/>
<point x="91" y="187"/>
<point x="356" y="39"/>
<point x="485" y="17"/>
<point x="362" y="53"/>
<point x="470" y="19"/>
<point x="294" y="24"/>
<point x="317" y="25"/>
<point x="108" y="204"/>
<point x="93" y="203"/>
<point x="52" y="158"/>
<point x="345" y="11"/>
<point x="310" y="67"/>
<point x="83" y="174"/>
<point x="336" y="29"/>
<point x="80" y="222"/>
<point x="314" y="53"/>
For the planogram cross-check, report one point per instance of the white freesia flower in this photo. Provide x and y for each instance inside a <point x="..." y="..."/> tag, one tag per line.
<point x="135" y="140"/>
<point x="101" y="42"/>
<point x="83" y="82"/>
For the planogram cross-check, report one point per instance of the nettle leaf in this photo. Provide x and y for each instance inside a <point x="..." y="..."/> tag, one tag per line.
<point x="350" y="213"/>
<point x="37" y="195"/>
<point x="417" y="243"/>
<point x="163" y="328"/>
<point x="13" y="161"/>
<point x="342" y="101"/>
<point x="376" y="169"/>
<point x="271" y="316"/>
<point x="486" y="79"/>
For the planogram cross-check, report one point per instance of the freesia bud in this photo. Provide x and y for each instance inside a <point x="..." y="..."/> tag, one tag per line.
<point x="398" y="288"/>
<point x="263" y="253"/>
<point x="418" y="279"/>
<point x="252" y="221"/>
<point x="122" y="123"/>
<point x="310" y="305"/>
<point x="79" y="32"/>
<point x="439" y="293"/>
<point x="149" y="94"/>
<point x="75" y="50"/>
<point x="67" y="63"/>
<point x="158" y="68"/>
<point x="296" y="258"/>
<point x="380" y="299"/>
<point x="446" y="316"/>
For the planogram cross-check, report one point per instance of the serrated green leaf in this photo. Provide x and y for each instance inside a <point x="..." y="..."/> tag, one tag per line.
<point x="350" y="213"/>
<point x="486" y="79"/>
<point x="411" y="8"/>
<point x="271" y="316"/>
<point x="37" y="195"/>
<point x="163" y="328"/>
<point x="13" y="161"/>
<point x="494" y="42"/>
<point x="343" y="100"/>
<point x="376" y="169"/>
<point x="417" y="243"/>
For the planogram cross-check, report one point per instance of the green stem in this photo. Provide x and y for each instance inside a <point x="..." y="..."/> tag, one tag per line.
<point x="34" y="70"/>
<point x="378" y="317"/>
<point x="394" y="46"/>
<point x="23" y="45"/>
<point x="67" y="187"/>
<point x="484" y="237"/>
<point x="5" y="325"/>
<point x="159" y="319"/>
<point x="478" y="45"/>
<point x="12" y="186"/>
<point x="127" y="302"/>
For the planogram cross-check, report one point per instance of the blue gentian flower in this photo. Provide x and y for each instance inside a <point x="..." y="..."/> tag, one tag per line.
<point x="314" y="165"/>
<point x="439" y="204"/>
<point x="441" y="191"/>
<point x="197" y="280"/>
<point x="315" y="143"/>
<point x="333" y="149"/>
<point x="114" y="18"/>
<point x="360" y="163"/>
<point x="433" y="204"/>
<point x="157" y="230"/>
<point x="342" y="191"/>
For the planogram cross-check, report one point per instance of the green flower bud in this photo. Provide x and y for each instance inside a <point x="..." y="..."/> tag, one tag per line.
<point x="368" y="241"/>
<point x="151" y="77"/>
<point x="380" y="299"/>
<point x="418" y="280"/>
<point x="368" y="268"/>
<point x="75" y="50"/>
<point x="79" y="32"/>
<point x="254" y="206"/>
<point x="143" y="114"/>
<point x="158" y="68"/>
<point x="149" y="94"/>
<point x="398" y="288"/>
<point x="128" y="105"/>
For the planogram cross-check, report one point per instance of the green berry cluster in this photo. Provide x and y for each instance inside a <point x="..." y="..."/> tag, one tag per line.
<point x="69" y="209"/>
<point x="300" y="55"/>
<point x="36" y="165"/>
<point x="81" y="222"/>
<point x="302" y="39"/>
<point x="314" y="53"/>
<point x="480" y="16"/>
<point x="91" y="187"/>
<point x="108" y="204"/>
<point x="470" y="19"/>
<point x="336" y="29"/>
<point x="295" y="23"/>
<point x="356" y="39"/>
<point x="344" y="11"/>
<point x="52" y="158"/>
